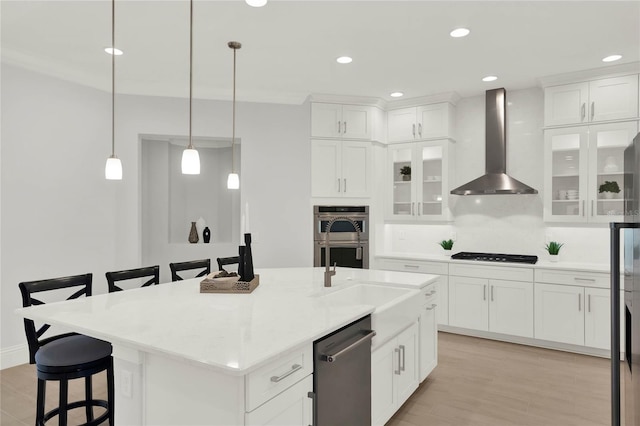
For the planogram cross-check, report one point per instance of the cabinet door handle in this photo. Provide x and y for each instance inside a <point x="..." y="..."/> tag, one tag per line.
<point x="344" y="131"/>
<point x="397" y="350"/>
<point x="484" y="294"/>
<point x="588" y="303"/>
<point x="579" y="302"/>
<point x="345" y="184"/>
<point x="294" y="368"/>
<point x="433" y="305"/>
<point x="414" y="130"/>
<point x="403" y="360"/>
<point x="492" y="292"/>
<point x="313" y="407"/>
<point x="593" y="110"/>
<point x="339" y="187"/>
<point x="592" y="202"/>
<point x="582" y="112"/>
<point x="339" y="128"/>
<point x="583" y="208"/>
<point x="412" y="205"/>
<point x="420" y="129"/>
<point x="431" y="293"/>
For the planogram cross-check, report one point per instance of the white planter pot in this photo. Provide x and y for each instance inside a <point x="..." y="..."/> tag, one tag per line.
<point x="554" y="257"/>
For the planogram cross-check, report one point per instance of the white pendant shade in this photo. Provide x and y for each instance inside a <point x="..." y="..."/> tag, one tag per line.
<point x="113" y="169"/>
<point x="190" y="162"/>
<point x="233" y="182"/>
<point x="256" y="3"/>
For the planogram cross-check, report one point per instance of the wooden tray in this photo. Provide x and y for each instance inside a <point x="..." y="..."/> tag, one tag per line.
<point x="206" y="286"/>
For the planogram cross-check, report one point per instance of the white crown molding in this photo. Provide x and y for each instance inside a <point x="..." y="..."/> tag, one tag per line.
<point x="14" y="355"/>
<point x="590" y="74"/>
<point x="345" y="99"/>
<point x="451" y="97"/>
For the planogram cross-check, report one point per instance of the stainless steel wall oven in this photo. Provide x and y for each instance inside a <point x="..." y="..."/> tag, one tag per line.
<point x="349" y="247"/>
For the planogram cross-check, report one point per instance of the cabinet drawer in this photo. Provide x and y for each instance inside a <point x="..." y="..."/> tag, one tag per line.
<point x="583" y="279"/>
<point x="291" y="407"/>
<point x="273" y="378"/>
<point x="492" y="272"/>
<point x="422" y="266"/>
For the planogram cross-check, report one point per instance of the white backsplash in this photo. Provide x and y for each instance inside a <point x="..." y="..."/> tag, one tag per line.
<point x="499" y="223"/>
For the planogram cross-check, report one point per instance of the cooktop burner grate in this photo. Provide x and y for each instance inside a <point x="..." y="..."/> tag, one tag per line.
<point x="495" y="257"/>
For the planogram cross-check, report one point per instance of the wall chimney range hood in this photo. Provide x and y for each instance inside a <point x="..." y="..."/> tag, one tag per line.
<point x="495" y="180"/>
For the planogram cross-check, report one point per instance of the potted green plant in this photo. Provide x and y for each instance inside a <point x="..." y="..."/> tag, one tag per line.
<point x="609" y="188"/>
<point x="553" y="248"/>
<point x="405" y="172"/>
<point x="447" y="245"/>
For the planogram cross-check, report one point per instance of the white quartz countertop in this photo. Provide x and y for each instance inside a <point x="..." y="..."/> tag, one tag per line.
<point x="541" y="264"/>
<point x="234" y="333"/>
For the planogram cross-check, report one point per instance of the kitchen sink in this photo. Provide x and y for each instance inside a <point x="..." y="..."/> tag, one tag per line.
<point x="395" y="308"/>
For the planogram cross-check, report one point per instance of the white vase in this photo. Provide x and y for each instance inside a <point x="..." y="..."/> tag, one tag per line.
<point x="554" y="257"/>
<point x="608" y="195"/>
<point x="447" y="253"/>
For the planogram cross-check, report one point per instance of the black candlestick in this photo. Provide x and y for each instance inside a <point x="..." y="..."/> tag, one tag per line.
<point x="241" y="263"/>
<point x="248" y="258"/>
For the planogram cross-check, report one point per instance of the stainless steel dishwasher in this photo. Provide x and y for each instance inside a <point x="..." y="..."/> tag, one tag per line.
<point x="342" y="376"/>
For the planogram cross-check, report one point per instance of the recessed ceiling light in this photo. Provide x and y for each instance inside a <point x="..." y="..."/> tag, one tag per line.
<point x="612" y="58"/>
<point x="459" y="32"/>
<point x="344" y="60"/>
<point x="490" y="78"/>
<point x="396" y="94"/>
<point x="256" y="3"/>
<point x="114" y="51"/>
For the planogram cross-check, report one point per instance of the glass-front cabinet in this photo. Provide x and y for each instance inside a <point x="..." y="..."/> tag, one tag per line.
<point x="419" y="180"/>
<point x="584" y="172"/>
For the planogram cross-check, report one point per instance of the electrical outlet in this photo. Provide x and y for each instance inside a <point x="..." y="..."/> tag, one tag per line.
<point x="126" y="383"/>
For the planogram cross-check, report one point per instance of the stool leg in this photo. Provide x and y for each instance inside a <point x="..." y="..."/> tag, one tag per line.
<point x="64" y="392"/>
<point x="42" y="385"/>
<point x="111" y="393"/>
<point x="88" y="398"/>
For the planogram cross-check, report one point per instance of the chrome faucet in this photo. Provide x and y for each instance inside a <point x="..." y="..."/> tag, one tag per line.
<point x="327" y="257"/>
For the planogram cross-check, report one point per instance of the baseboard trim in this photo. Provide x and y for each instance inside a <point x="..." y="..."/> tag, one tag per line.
<point x="14" y="355"/>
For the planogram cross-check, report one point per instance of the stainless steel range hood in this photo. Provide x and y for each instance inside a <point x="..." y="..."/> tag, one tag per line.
<point x="495" y="180"/>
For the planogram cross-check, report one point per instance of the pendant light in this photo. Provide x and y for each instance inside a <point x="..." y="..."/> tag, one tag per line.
<point x="190" y="157"/>
<point x="113" y="168"/>
<point x="233" y="182"/>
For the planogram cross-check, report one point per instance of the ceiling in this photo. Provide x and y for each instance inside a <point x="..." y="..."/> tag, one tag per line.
<point x="289" y="47"/>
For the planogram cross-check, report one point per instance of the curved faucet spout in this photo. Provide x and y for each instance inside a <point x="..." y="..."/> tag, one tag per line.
<point x="327" y="258"/>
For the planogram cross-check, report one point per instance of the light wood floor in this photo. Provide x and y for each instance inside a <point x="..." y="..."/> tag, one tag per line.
<point x="477" y="382"/>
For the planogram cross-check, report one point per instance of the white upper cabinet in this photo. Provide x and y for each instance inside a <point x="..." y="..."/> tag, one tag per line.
<point x="420" y="123"/>
<point x="605" y="99"/>
<point x="341" y="121"/>
<point x="340" y="168"/>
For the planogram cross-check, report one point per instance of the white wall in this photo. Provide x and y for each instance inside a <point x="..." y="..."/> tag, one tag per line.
<point x="500" y="223"/>
<point x="61" y="217"/>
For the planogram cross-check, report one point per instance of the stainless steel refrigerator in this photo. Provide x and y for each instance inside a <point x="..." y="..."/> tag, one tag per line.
<point x="625" y="375"/>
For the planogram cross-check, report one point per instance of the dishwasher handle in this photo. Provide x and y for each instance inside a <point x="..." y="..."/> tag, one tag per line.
<point x="367" y="337"/>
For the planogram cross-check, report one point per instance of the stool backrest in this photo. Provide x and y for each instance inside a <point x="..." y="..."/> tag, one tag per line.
<point x="204" y="264"/>
<point x="132" y="274"/>
<point x="82" y="285"/>
<point x="222" y="261"/>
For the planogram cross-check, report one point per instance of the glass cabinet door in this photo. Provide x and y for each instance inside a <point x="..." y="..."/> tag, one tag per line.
<point x="607" y="143"/>
<point x="403" y="177"/>
<point x="566" y="160"/>
<point x="431" y="182"/>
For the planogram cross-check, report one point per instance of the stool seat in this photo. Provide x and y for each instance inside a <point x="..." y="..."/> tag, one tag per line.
<point x="71" y="353"/>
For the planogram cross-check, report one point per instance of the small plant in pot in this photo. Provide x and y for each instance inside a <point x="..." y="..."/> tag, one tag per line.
<point x="405" y="172"/>
<point x="554" y="250"/>
<point x="609" y="189"/>
<point x="447" y="245"/>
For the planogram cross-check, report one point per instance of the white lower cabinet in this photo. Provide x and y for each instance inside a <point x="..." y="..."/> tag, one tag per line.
<point x="394" y="374"/>
<point x="428" y="337"/>
<point x="597" y="318"/>
<point x="499" y="306"/>
<point x="293" y="407"/>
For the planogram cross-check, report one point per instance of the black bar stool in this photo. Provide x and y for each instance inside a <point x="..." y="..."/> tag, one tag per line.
<point x="193" y="264"/>
<point x="67" y="356"/>
<point x="223" y="261"/>
<point x="131" y="274"/>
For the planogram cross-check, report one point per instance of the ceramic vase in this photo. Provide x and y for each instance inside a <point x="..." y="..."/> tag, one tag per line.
<point x="193" y="234"/>
<point x="554" y="257"/>
<point x="406" y="178"/>
<point x="206" y="235"/>
<point x="447" y="253"/>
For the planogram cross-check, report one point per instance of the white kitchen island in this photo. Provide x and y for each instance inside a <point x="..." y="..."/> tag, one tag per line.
<point x="187" y="358"/>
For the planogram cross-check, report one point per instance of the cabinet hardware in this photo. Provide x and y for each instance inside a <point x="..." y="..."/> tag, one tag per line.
<point x="339" y="128"/>
<point x="484" y="294"/>
<point x="431" y="293"/>
<point x="345" y="128"/>
<point x="588" y="303"/>
<point x="582" y="207"/>
<point x="589" y="280"/>
<point x="593" y="110"/>
<point x="345" y="184"/>
<point x="582" y="113"/>
<point x="366" y="337"/>
<point x="492" y="292"/>
<point x="397" y="350"/>
<point x="339" y="187"/>
<point x="294" y="368"/>
<point x="579" y="302"/>
<point x="412" y="266"/>
<point x="412" y="203"/>
<point x="433" y="305"/>
<point x="414" y="130"/>
<point x="403" y="360"/>
<point x="592" y="202"/>
<point x="313" y="406"/>
<point x="420" y="129"/>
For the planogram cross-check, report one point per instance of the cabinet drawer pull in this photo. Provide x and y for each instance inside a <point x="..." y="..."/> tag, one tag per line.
<point x="588" y="280"/>
<point x="294" y="368"/>
<point x="397" y="350"/>
<point x="403" y="360"/>
<point x="582" y="112"/>
<point x="412" y="266"/>
<point x="433" y="305"/>
<point x="431" y="293"/>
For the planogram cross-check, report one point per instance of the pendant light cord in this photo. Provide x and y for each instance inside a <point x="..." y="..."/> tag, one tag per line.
<point x="233" y="132"/>
<point x="190" y="70"/>
<point x="113" y="78"/>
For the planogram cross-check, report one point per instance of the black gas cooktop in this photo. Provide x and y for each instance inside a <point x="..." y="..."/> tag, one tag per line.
<point x="495" y="257"/>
